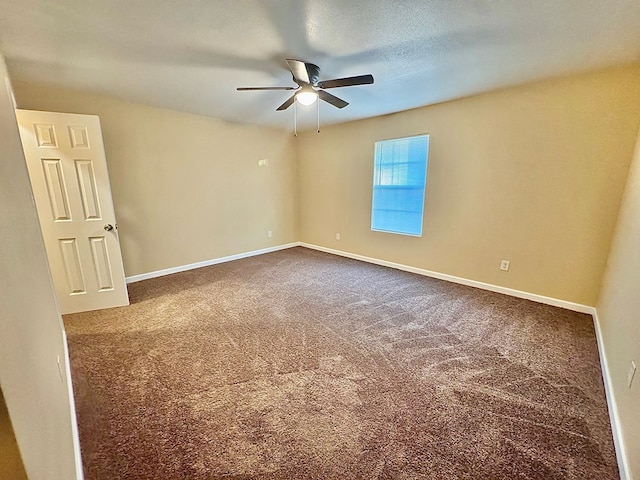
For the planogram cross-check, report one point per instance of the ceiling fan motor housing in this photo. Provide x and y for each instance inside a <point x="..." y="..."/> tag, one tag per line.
<point x="314" y="73"/>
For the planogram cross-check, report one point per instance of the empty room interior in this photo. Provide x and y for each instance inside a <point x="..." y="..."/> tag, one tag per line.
<point x="319" y="239"/>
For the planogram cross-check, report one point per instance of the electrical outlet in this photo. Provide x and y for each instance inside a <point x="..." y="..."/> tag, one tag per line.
<point x="269" y="234"/>
<point x="263" y="163"/>
<point x="504" y="265"/>
<point x="337" y="236"/>
<point x="631" y="374"/>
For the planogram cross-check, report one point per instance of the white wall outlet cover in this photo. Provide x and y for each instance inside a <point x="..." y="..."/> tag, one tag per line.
<point x="263" y="163"/>
<point x="504" y="265"/>
<point x="337" y="236"/>
<point x="269" y="234"/>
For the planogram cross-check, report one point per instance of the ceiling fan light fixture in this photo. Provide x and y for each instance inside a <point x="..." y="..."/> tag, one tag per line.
<point x="306" y="97"/>
<point x="310" y="90"/>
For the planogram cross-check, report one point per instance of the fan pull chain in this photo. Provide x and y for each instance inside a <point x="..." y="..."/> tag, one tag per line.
<point x="318" y="103"/>
<point x="295" y="119"/>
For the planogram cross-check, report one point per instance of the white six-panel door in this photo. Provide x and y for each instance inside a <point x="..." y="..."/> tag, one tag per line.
<point x="68" y="172"/>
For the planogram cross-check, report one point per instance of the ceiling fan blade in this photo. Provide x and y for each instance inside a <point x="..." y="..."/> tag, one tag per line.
<point x="287" y="104"/>
<point x="347" y="81"/>
<point x="332" y="99"/>
<point x="299" y="70"/>
<point x="265" y="88"/>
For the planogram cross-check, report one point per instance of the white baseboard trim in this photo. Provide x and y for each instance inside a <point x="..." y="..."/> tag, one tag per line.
<point x="576" y="307"/>
<point x="618" y="441"/>
<point x="72" y="411"/>
<point x="206" y="263"/>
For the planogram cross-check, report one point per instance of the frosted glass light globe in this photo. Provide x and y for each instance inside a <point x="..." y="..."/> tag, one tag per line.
<point x="306" y="97"/>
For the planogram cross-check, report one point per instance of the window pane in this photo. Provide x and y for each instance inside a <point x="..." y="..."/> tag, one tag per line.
<point x="399" y="178"/>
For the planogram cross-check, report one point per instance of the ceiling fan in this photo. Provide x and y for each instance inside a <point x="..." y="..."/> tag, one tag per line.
<point x="309" y="88"/>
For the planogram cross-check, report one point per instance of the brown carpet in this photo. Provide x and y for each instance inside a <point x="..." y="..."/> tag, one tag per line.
<point x="303" y="365"/>
<point x="11" y="467"/>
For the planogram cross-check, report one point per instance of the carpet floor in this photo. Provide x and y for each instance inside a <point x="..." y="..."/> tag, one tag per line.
<point x="303" y="365"/>
<point x="11" y="467"/>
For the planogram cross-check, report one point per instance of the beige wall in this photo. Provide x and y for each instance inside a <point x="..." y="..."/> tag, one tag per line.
<point x="619" y="313"/>
<point x="32" y="340"/>
<point x="532" y="174"/>
<point x="186" y="188"/>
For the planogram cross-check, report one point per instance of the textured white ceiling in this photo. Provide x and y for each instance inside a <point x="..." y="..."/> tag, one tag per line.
<point x="190" y="55"/>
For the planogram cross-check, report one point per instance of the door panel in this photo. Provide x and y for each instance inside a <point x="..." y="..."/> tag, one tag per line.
<point x="88" y="189"/>
<point x="68" y="171"/>
<point x="56" y="188"/>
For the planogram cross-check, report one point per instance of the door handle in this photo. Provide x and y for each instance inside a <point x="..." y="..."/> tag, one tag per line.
<point x="108" y="227"/>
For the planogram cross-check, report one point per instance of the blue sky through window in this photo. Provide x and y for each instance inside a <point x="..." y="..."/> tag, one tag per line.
<point x="399" y="180"/>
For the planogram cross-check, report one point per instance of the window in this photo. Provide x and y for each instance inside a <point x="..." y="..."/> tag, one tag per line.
<point x="399" y="179"/>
